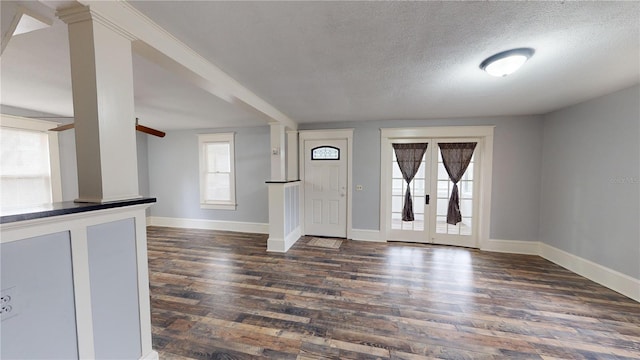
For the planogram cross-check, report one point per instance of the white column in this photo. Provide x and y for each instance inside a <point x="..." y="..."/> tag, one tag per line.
<point x="102" y="81"/>
<point x="278" y="152"/>
<point x="292" y="155"/>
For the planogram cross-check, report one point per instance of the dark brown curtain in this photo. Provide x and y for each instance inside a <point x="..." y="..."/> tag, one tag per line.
<point x="409" y="158"/>
<point x="456" y="158"/>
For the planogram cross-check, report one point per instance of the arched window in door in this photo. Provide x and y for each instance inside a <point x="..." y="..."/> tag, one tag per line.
<point x="325" y="152"/>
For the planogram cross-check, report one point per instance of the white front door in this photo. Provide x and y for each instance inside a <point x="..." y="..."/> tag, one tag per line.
<point x="325" y="187"/>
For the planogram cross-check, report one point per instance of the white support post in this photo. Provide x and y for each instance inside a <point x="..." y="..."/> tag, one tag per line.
<point x="278" y="152"/>
<point x="292" y="155"/>
<point x="102" y="84"/>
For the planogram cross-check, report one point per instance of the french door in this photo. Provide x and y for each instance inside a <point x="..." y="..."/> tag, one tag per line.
<point x="430" y="191"/>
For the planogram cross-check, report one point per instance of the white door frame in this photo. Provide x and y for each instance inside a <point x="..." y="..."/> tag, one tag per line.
<point x="485" y="133"/>
<point x="338" y="134"/>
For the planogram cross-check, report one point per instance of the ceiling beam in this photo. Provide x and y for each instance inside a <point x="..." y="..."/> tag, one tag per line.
<point x="159" y="46"/>
<point x="15" y="12"/>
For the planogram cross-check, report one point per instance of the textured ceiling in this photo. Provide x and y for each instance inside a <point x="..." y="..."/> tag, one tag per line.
<point x="326" y="61"/>
<point x="36" y="75"/>
<point x="342" y="61"/>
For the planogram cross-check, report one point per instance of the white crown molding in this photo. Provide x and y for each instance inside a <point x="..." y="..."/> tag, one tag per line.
<point x="74" y="14"/>
<point x="80" y="13"/>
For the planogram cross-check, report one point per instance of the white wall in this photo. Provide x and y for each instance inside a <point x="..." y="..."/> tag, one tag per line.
<point x="143" y="163"/>
<point x="591" y="179"/>
<point x="68" y="165"/>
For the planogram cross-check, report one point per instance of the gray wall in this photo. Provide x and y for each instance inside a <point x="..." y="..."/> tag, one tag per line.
<point x="113" y="272"/>
<point x="42" y="324"/>
<point x="591" y="179"/>
<point x="174" y="179"/>
<point x="516" y="171"/>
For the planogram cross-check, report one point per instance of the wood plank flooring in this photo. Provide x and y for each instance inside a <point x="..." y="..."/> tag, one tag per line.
<point x="220" y="295"/>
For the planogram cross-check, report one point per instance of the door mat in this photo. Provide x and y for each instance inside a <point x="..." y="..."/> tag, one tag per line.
<point x="325" y="243"/>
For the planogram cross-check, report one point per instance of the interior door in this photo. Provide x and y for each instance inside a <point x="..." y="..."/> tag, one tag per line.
<point x="431" y="190"/>
<point x="325" y="187"/>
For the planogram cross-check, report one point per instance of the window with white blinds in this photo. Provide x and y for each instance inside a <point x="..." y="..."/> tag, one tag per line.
<point x="29" y="170"/>
<point x="217" y="171"/>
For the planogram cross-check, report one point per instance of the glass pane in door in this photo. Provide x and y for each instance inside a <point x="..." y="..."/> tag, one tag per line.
<point x="465" y="191"/>
<point x="418" y="187"/>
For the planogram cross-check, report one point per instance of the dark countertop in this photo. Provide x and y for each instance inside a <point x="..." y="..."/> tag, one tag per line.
<point x="281" y="181"/>
<point x="64" y="208"/>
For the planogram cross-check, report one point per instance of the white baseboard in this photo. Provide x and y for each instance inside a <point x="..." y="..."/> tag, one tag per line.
<point x="247" y="227"/>
<point x="153" y="355"/>
<point x="512" y="246"/>
<point x="282" y="245"/>
<point x="366" y="235"/>
<point x="624" y="284"/>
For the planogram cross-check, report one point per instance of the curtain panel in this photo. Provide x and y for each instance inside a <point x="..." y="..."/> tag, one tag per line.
<point x="409" y="157"/>
<point x="456" y="158"/>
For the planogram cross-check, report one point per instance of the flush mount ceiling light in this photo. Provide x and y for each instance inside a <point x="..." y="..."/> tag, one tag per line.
<point x="506" y="62"/>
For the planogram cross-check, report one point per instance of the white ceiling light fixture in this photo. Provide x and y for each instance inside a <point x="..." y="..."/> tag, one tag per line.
<point x="506" y="62"/>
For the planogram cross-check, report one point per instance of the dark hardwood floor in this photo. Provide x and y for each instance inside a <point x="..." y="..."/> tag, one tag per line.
<point x="220" y="295"/>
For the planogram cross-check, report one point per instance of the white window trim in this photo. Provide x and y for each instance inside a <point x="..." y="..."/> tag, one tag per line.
<point x="209" y="138"/>
<point x="22" y="123"/>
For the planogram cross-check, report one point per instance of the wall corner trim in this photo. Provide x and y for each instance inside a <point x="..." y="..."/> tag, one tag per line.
<point x="283" y="245"/>
<point x="153" y="355"/>
<point x="246" y="227"/>
<point x="614" y="280"/>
